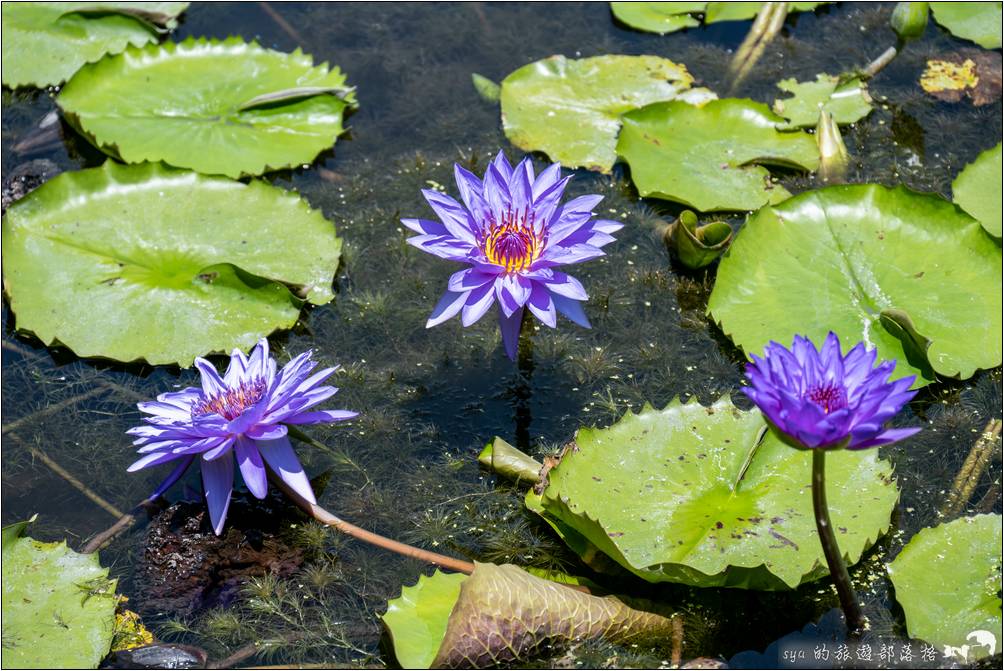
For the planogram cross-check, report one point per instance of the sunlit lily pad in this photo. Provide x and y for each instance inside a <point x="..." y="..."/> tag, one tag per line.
<point x="145" y="262"/>
<point x="976" y="21"/>
<point x="44" y="43"/>
<point x="58" y="606"/>
<point x="658" y="17"/>
<point x="708" y="497"/>
<point x="226" y="108"/>
<point x="977" y="190"/>
<point x="502" y="614"/>
<point x="906" y="273"/>
<point x="571" y="109"/>
<point x="705" y="157"/>
<point x="741" y="11"/>
<point x="948" y="581"/>
<point x="847" y="101"/>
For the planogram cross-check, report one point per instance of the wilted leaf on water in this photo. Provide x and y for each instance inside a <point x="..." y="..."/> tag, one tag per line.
<point x="58" y="606"/>
<point x="709" y="497"/>
<point x="976" y="21"/>
<point x="502" y="614"/>
<point x="218" y="107"/>
<point x="147" y="262"/>
<point x="707" y="157"/>
<point x="948" y="581"/>
<point x="44" y="43"/>
<point x="848" y="101"/>
<point x="506" y="460"/>
<point x="968" y="73"/>
<point x="741" y="11"/>
<point x="658" y="17"/>
<point x="906" y="273"/>
<point x="571" y="109"/>
<point x="977" y="190"/>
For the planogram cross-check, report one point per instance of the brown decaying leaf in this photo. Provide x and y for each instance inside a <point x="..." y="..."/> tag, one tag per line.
<point x="505" y="614"/>
<point x="975" y="73"/>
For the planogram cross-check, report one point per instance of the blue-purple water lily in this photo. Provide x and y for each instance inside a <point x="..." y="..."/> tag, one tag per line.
<point x="513" y="231"/>
<point x="241" y="415"/>
<point x="824" y="399"/>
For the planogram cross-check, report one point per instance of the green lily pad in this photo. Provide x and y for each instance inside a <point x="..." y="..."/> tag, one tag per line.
<point x="847" y="101"/>
<point x="58" y="606"/>
<point x="704" y="157"/>
<point x="147" y="262"/>
<point x="417" y="619"/>
<point x="486" y="88"/>
<point x="709" y="497"/>
<point x="742" y="11"/>
<point x="976" y="21"/>
<point x="227" y="108"/>
<point x="906" y="273"/>
<point x="46" y="42"/>
<point x="977" y="190"/>
<point x="502" y="614"/>
<point x="948" y="579"/>
<point x="571" y="109"/>
<point x="658" y="17"/>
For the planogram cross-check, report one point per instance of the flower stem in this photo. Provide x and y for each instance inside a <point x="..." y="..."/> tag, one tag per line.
<point x="522" y="390"/>
<point x="848" y="599"/>
<point x="324" y="517"/>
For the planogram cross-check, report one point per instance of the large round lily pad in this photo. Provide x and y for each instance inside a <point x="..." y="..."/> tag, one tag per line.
<point x="976" y="21"/>
<point x="571" y="109"/>
<point x="907" y="273"/>
<point x="704" y="156"/>
<point x="228" y="108"/>
<point x="948" y="581"/>
<point x="58" y="606"/>
<point x="44" y="43"/>
<point x="742" y="11"/>
<point x="977" y="190"/>
<point x="146" y="262"/>
<point x="708" y="497"/>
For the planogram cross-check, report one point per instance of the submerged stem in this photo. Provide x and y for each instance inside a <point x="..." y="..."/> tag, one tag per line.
<point x="524" y="362"/>
<point x="848" y="599"/>
<point x="324" y="517"/>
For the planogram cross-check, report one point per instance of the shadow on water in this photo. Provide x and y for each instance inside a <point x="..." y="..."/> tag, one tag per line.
<point x="431" y="398"/>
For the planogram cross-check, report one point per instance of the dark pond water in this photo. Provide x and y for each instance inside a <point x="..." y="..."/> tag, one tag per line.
<point x="430" y="399"/>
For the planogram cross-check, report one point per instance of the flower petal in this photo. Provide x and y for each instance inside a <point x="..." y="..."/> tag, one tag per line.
<point x="425" y="226"/>
<point x="477" y="304"/>
<point x="449" y="305"/>
<point x="509" y="326"/>
<point x="571" y="309"/>
<point x="252" y="468"/>
<point x="282" y="459"/>
<point x="175" y="475"/>
<point x="320" y="417"/>
<point x="469" y="278"/>
<point x="454" y="216"/>
<point x="212" y="383"/>
<point x="566" y="285"/>
<point x="218" y="482"/>
<point x="542" y="305"/>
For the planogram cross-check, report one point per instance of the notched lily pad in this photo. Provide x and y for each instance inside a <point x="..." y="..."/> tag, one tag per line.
<point x="706" y="157"/>
<point x="847" y="101"/>
<point x="897" y="270"/>
<point x="502" y="614"/>
<point x="58" y="605"/>
<point x="46" y="42"/>
<point x="977" y="190"/>
<point x="707" y="496"/>
<point x="228" y="108"/>
<point x="571" y="109"/>
<point x="147" y="262"/>
<point x="948" y="580"/>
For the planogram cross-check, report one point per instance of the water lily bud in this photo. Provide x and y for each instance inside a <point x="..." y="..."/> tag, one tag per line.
<point x="697" y="246"/>
<point x="909" y="19"/>
<point x="833" y="157"/>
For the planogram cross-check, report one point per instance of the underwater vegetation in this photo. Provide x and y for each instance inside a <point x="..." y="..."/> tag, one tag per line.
<point x="197" y="215"/>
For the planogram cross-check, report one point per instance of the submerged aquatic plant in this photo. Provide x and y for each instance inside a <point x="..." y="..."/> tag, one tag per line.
<point x="823" y="400"/>
<point x="244" y="414"/>
<point x="514" y="231"/>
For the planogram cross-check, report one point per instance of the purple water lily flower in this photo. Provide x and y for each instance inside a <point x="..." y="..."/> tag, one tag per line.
<point x="244" y="415"/>
<point x="514" y="231"/>
<point x="828" y="400"/>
